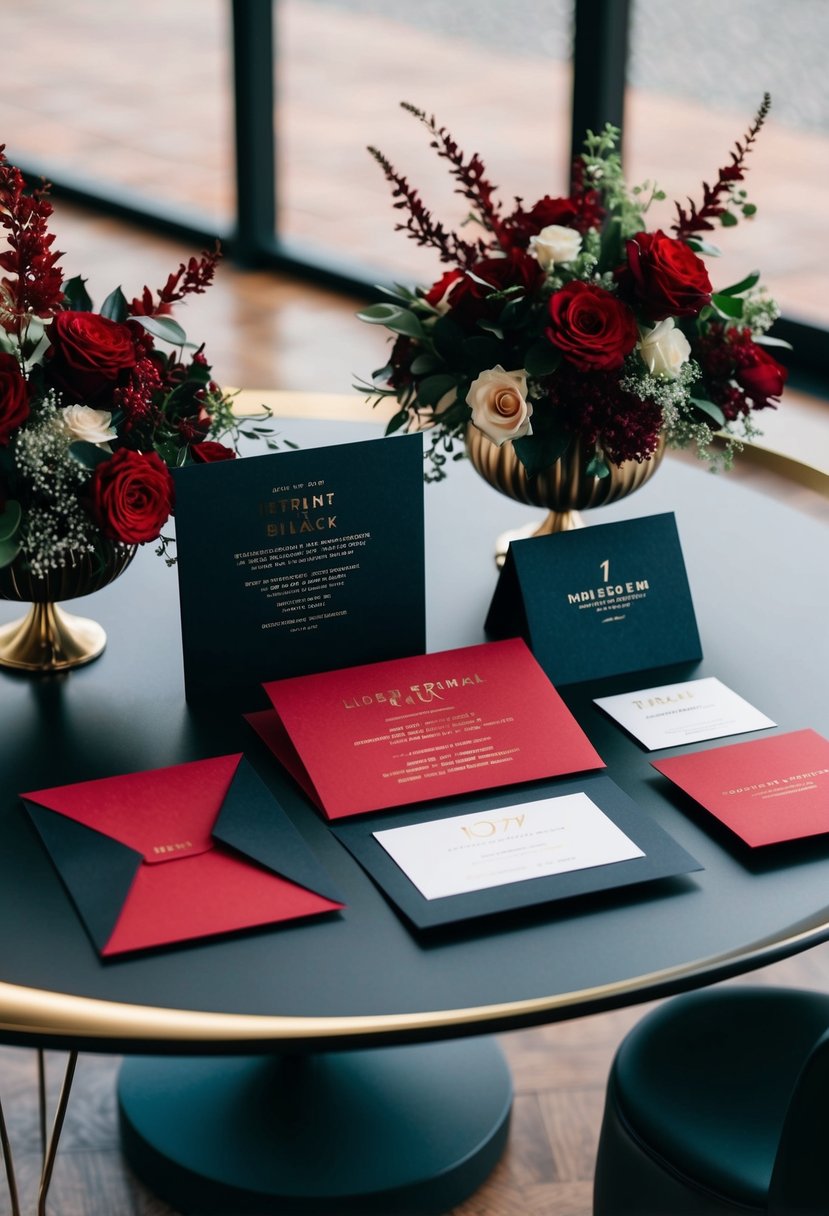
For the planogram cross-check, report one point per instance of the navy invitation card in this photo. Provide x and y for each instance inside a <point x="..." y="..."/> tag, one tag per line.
<point x="599" y="601"/>
<point x="299" y="562"/>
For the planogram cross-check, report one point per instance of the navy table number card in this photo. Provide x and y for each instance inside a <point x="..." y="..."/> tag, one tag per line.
<point x="599" y="601"/>
<point x="299" y="562"/>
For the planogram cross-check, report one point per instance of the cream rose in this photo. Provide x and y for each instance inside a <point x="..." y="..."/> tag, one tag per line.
<point x="555" y="244"/>
<point x="90" y="426"/>
<point x="500" y="409"/>
<point x="664" y="349"/>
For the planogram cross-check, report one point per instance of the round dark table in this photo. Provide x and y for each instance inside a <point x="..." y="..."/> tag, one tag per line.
<point x="325" y="995"/>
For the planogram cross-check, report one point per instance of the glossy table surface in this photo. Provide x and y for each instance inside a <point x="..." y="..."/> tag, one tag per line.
<point x="760" y="582"/>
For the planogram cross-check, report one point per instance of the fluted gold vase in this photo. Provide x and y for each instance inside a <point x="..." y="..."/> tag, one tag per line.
<point x="48" y="638"/>
<point x="565" y="487"/>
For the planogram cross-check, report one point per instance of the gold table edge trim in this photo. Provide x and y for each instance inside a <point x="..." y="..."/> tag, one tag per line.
<point x="52" y="1014"/>
<point x="37" y="1012"/>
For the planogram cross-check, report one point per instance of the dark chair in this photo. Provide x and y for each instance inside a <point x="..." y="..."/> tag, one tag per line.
<point x="717" y="1103"/>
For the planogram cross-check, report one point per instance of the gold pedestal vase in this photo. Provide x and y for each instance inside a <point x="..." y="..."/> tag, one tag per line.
<point x="565" y="487"/>
<point x="48" y="639"/>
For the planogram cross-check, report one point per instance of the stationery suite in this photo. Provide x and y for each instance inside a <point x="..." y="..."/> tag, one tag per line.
<point x="687" y="712"/>
<point x="173" y="854"/>
<point x="408" y="730"/>
<point x="309" y="559"/>
<point x="599" y="601"/>
<point x="507" y="850"/>
<point x="765" y="790"/>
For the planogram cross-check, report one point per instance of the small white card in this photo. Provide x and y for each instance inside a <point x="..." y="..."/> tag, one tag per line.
<point x="493" y="848"/>
<point x="673" y="714"/>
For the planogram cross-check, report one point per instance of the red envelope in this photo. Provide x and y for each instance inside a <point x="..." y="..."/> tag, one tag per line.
<point x="765" y="790"/>
<point x="173" y="854"/>
<point x="408" y="730"/>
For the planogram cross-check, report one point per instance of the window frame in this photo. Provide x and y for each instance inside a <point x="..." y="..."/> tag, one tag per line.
<point x="600" y="55"/>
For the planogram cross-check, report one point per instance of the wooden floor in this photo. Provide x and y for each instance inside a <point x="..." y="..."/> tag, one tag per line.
<point x="262" y="331"/>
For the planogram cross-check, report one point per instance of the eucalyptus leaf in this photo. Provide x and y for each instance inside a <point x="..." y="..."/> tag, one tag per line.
<point x="744" y="284"/>
<point x="728" y="306"/>
<point x="10" y="519"/>
<point x="423" y="364"/>
<point x="398" y="420"/>
<point x="542" y="358"/>
<point x="164" y="328"/>
<point x="766" y="340"/>
<point x="9" y="550"/>
<point x="538" y="452"/>
<point x="700" y="246"/>
<point x="491" y="328"/>
<point x="75" y="295"/>
<point x="399" y="320"/>
<point x="7" y="343"/>
<point x="397" y="292"/>
<point x="115" y="306"/>
<point x="597" y="468"/>
<point x="430" y="390"/>
<point x="728" y="220"/>
<point x="88" y="454"/>
<point x="708" y="407"/>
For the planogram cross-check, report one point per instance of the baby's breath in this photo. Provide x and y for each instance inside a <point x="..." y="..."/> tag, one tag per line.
<point x="55" y="526"/>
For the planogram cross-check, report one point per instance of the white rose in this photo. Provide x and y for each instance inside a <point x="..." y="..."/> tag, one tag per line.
<point x="499" y="404"/>
<point x="91" y="426"/>
<point x="554" y="244"/>
<point x="664" y="349"/>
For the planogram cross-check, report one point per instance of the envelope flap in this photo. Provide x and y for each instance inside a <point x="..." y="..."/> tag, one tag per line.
<point x="252" y="822"/>
<point x="96" y="870"/>
<point x="165" y="813"/>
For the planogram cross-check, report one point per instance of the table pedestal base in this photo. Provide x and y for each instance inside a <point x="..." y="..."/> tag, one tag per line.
<point x="391" y="1130"/>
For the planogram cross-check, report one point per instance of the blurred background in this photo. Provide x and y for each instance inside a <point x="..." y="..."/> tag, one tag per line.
<point x="249" y="120"/>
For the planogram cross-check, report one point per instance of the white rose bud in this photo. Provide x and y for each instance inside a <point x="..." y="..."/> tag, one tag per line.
<point x="499" y="404"/>
<point x="555" y="244"/>
<point x="664" y="349"/>
<point x="90" y="426"/>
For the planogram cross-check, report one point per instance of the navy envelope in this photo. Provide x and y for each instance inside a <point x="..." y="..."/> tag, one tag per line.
<point x="180" y="853"/>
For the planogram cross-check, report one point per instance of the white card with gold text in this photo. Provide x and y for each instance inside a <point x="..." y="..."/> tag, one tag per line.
<point x="671" y="715"/>
<point x="493" y="848"/>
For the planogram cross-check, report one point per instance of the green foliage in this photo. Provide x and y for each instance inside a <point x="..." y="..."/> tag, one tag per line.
<point x="76" y="296"/>
<point x="10" y="518"/>
<point x="394" y="317"/>
<point x="90" y="455"/>
<point x="164" y="328"/>
<point x="115" y="306"/>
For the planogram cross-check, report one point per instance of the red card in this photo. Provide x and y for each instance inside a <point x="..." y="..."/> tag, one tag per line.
<point x="408" y="730"/>
<point x="766" y="790"/>
<point x="178" y="853"/>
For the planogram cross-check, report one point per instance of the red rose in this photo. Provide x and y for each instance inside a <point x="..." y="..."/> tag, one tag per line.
<point x="592" y="328"/>
<point x="131" y="496"/>
<point x="210" y="451"/>
<point x="761" y="379"/>
<point x="14" y="398"/>
<point x="439" y="290"/>
<point x="88" y="353"/>
<point x="665" y="277"/>
<point x="468" y="301"/>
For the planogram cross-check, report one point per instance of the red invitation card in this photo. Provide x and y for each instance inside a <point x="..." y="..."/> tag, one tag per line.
<point x="407" y="730"/>
<point x="173" y="854"/>
<point x="766" y="790"/>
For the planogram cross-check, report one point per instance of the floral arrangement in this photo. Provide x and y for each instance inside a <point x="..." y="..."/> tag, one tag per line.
<point x="568" y="321"/>
<point x="93" y="411"/>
